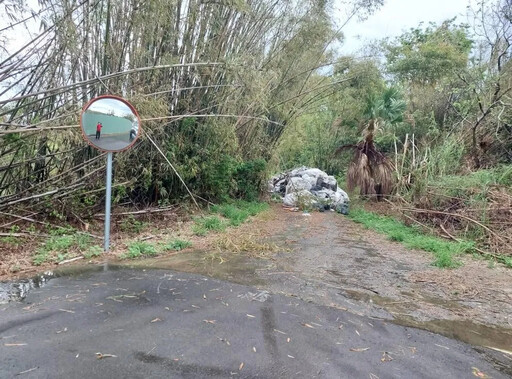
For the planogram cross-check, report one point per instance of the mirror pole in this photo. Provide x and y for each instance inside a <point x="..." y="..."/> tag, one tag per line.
<point x="108" y="198"/>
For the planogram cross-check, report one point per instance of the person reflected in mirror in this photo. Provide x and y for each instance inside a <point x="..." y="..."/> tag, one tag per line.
<point x="133" y="134"/>
<point x="98" y="130"/>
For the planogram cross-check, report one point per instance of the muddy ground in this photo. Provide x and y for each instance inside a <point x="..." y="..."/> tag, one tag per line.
<point x="327" y="259"/>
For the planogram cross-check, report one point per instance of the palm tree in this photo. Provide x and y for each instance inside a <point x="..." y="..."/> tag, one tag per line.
<point x="370" y="170"/>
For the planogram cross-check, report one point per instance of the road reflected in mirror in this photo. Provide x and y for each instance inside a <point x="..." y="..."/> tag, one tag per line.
<point x="110" y="123"/>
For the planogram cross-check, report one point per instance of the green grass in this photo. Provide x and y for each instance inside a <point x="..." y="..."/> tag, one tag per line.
<point x="234" y="213"/>
<point x="210" y="223"/>
<point x="411" y="237"/>
<point x="59" y="246"/>
<point x="93" y="251"/>
<point x="176" y="245"/>
<point x="132" y="225"/>
<point x="138" y="249"/>
<point x="238" y="212"/>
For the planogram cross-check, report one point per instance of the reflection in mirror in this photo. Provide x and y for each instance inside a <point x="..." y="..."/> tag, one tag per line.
<point x="110" y="124"/>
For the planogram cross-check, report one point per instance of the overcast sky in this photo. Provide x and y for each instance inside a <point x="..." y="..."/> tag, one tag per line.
<point x="397" y="16"/>
<point x="107" y="105"/>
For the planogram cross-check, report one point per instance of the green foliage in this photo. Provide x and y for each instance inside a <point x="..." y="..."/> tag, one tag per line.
<point x="177" y="245"/>
<point x="233" y="213"/>
<point x="11" y="240"/>
<point x="248" y="176"/>
<point x="93" y="252"/>
<point x="60" y="230"/>
<point x="388" y="106"/>
<point x="138" y="249"/>
<point x="40" y="257"/>
<point x="59" y="246"/>
<point x="59" y="243"/>
<point x="237" y="212"/>
<point x="411" y="237"/>
<point x="427" y="55"/>
<point x="209" y="223"/>
<point x="475" y="185"/>
<point x="132" y="225"/>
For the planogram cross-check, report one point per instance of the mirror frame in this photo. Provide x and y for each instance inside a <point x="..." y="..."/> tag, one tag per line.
<point x="89" y="103"/>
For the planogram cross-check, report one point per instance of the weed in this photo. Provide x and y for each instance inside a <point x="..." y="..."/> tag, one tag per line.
<point x="10" y="240"/>
<point x="82" y="241"/>
<point x="139" y="248"/>
<point x="199" y="230"/>
<point x="177" y="245"/>
<point x="132" y="225"/>
<point x="59" y="243"/>
<point x="413" y="238"/>
<point x="59" y="246"/>
<point x="507" y="261"/>
<point x="205" y="224"/>
<point x="93" y="251"/>
<point x="62" y="257"/>
<point x="40" y="257"/>
<point x="235" y="215"/>
<point x="239" y="211"/>
<point x="60" y="230"/>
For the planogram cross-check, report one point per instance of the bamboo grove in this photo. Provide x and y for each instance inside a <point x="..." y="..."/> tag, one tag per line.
<point x="215" y="83"/>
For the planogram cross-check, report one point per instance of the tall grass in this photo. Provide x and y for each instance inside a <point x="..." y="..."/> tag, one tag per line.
<point x="238" y="212"/>
<point x="233" y="213"/>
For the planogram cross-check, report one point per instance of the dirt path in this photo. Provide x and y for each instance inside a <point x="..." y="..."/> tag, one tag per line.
<point x="337" y="262"/>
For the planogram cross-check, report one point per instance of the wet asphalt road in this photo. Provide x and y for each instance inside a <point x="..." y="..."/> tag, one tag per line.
<point x="160" y="323"/>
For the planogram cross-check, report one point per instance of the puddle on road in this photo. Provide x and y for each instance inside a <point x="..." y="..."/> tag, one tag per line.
<point x="236" y="268"/>
<point x="18" y="290"/>
<point x="242" y="269"/>
<point x="14" y="291"/>
<point x="462" y="330"/>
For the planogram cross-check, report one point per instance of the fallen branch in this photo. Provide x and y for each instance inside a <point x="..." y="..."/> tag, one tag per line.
<point x="150" y="210"/>
<point x="416" y="210"/>
<point x="475" y="248"/>
<point x="70" y="260"/>
<point x="23" y="235"/>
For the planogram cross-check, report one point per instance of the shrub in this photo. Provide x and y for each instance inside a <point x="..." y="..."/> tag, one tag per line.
<point x="177" y="245"/>
<point x="204" y="224"/>
<point x="139" y="248"/>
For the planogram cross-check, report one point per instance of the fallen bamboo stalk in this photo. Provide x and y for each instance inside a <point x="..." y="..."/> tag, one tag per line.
<point x="23" y="235"/>
<point x="416" y="210"/>
<point x="475" y="248"/>
<point x="150" y="210"/>
<point x="174" y="118"/>
<point x="70" y="260"/>
<point x="58" y="90"/>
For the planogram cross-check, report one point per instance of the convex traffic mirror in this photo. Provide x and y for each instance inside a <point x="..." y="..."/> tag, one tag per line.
<point x="110" y="123"/>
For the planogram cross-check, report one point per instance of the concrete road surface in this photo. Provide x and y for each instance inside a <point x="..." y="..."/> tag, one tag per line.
<point x="159" y="323"/>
